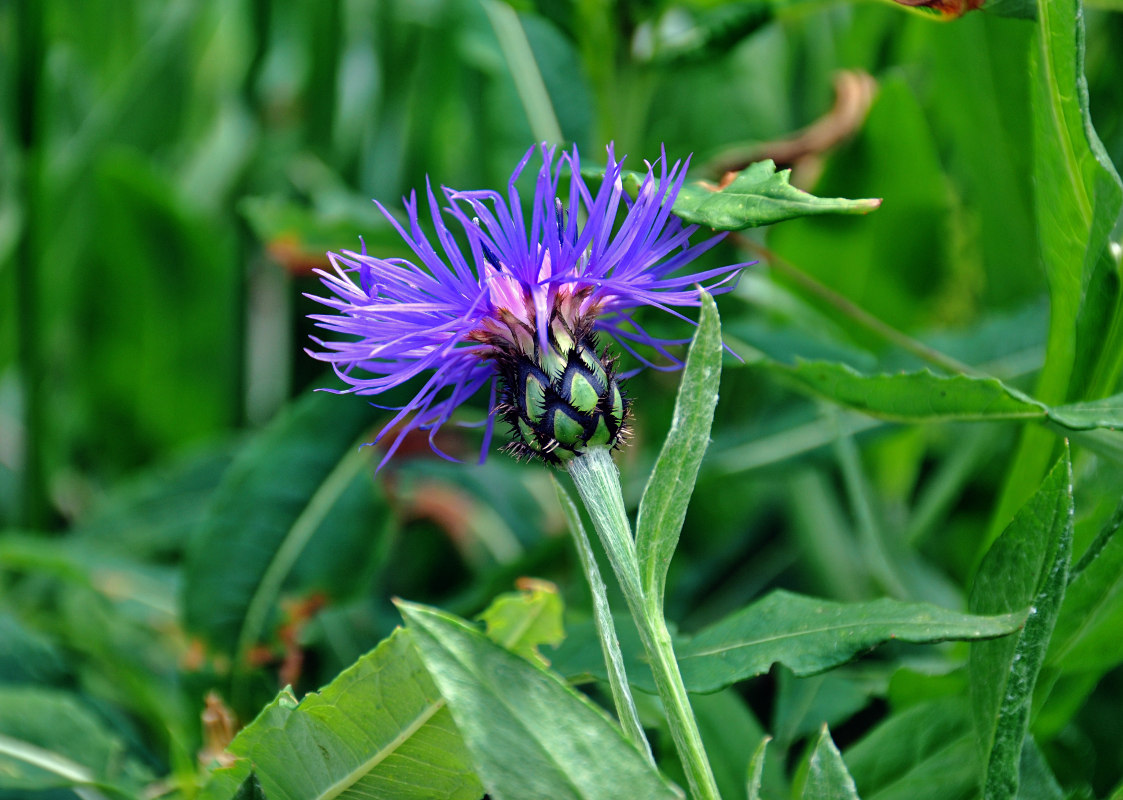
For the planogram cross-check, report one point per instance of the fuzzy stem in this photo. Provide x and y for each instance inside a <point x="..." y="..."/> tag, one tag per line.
<point x="598" y="483"/>
<point x="606" y="629"/>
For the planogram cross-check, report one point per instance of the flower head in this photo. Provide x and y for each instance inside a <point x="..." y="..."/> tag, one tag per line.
<point x="518" y="309"/>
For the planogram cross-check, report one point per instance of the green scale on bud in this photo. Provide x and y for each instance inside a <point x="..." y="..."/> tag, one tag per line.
<point x="561" y="399"/>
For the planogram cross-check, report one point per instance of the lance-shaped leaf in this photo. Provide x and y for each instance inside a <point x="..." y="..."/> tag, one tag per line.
<point x="381" y="729"/>
<point x="1085" y="642"/>
<point x="924" y="396"/>
<point x="827" y="776"/>
<point x="807" y="635"/>
<point x="530" y="735"/>
<point x="1027" y="564"/>
<point x="663" y="507"/>
<point x="756" y="769"/>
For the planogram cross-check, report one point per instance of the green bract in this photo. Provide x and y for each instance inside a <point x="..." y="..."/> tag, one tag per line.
<point x="561" y="399"/>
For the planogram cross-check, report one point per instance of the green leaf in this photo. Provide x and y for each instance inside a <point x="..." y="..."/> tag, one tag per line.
<point x="1086" y="636"/>
<point x="924" y="396"/>
<point x="1085" y="643"/>
<point x="704" y="32"/>
<point x="807" y="635"/>
<point x="49" y="738"/>
<point x="1027" y="564"/>
<point x="520" y="621"/>
<point x="803" y="704"/>
<point x="810" y="635"/>
<point x="380" y="729"/>
<point x="530" y="735"/>
<point x="298" y="236"/>
<point x="1105" y="413"/>
<point x="605" y="627"/>
<point x="926" y="752"/>
<point x="1077" y="198"/>
<point x="912" y="396"/>
<point x="667" y="495"/>
<point x="1036" y="779"/>
<point x="827" y="776"/>
<point x="727" y="725"/>
<point x="758" y="195"/>
<point x="303" y="478"/>
<point x="224" y="783"/>
<point x="756" y="769"/>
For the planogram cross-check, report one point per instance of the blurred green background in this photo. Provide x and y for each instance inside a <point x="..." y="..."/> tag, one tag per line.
<point x="170" y="173"/>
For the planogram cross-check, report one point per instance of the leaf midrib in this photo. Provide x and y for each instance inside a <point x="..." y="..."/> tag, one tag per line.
<point x="357" y="774"/>
<point x="796" y="634"/>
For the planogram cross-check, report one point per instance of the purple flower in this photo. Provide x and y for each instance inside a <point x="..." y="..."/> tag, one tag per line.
<point x="515" y="307"/>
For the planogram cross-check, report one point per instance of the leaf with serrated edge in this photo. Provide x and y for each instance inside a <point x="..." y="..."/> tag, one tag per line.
<point x="1027" y="564"/>
<point x="663" y="507"/>
<point x="381" y="728"/>
<point x="758" y="195"/>
<point x="827" y="776"/>
<point x="530" y="735"/>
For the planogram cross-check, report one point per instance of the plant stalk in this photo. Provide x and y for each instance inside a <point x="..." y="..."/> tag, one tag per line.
<point x="598" y="483"/>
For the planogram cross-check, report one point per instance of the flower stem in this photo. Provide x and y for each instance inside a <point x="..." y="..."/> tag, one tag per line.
<point x="598" y="483"/>
<point x="606" y="629"/>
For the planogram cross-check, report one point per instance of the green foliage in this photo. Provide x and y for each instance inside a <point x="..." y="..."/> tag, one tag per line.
<point x="806" y="634"/>
<point x="1028" y="563"/>
<point x="827" y="777"/>
<point x="529" y="734"/>
<point x="302" y="482"/>
<point x="758" y="195"/>
<point x="663" y="506"/>
<point x="380" y="727"/>
<point x="897" y="515"/>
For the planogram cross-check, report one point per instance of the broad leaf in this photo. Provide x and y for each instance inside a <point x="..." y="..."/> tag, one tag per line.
<point x="301" y="477"/>
<point x="827" y="776"/>
<point x="1036" y="778"/>
<point x="225" y="783"/>
<point x="530" y="735"/>
<point x="381" y="729"/>
<point x="663" y="506"/>
<point x="1027" y="565"/>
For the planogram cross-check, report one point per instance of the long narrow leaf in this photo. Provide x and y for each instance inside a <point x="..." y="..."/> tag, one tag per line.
<point x="663" y="507"/>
